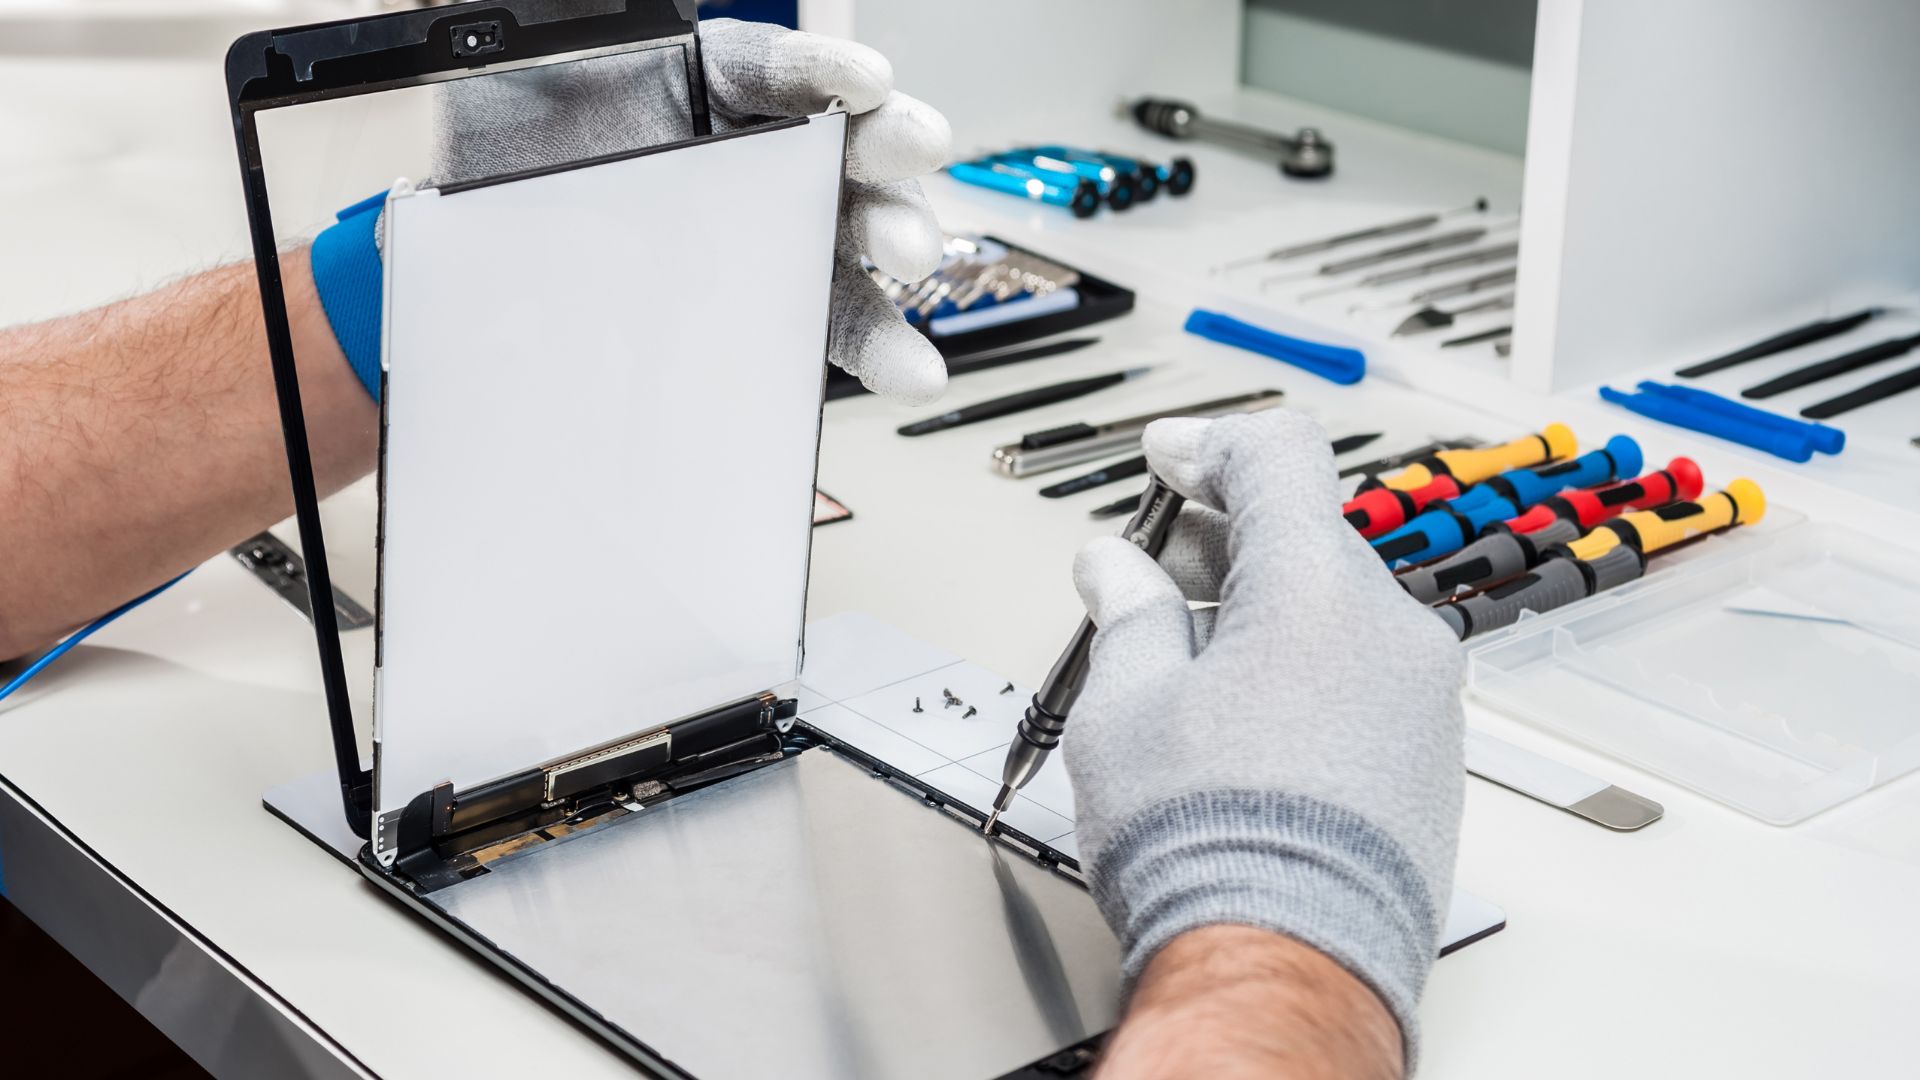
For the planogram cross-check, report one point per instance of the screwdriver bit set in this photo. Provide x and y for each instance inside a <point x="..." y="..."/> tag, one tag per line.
<point x="1082" y="181"/>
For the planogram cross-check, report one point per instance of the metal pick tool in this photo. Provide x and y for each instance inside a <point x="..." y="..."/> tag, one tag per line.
<point x="1493" y="280"/>
<point x="1433" y="318"/>
<point x="1377" y="232"/>
<point x="1460" y="238"/>
<point x="1496" y="335"/>
<point x="1421" y="269"/>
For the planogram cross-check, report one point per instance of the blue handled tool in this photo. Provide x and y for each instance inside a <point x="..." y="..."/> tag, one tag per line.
<point x="1446" y="527"/>
<point x="1076" y="193"/>
<point x="1826" y="440"/>
<point x="1120" y="189"/>
<point x="1443" y="529"/>
<point x="1791" y="445"/>
<point x="1333" y="362"/>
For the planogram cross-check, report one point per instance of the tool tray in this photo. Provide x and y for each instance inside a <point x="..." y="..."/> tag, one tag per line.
<point x="1777" y="672"/>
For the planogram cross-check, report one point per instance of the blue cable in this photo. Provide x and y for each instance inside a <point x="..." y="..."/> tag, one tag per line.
<point x="79" y="636"/>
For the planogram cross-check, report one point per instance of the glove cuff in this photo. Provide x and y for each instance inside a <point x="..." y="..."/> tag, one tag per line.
<point x="1316" y="872"/>
<point x="347" y="273"/>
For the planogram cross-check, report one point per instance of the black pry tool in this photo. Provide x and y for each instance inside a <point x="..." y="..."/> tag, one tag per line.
<point x="1020" y="402"/>
<point x="1342" y="445"/>
<point x="1792" y="339"/>
<point x="1879" y="390"/>
<point x="1827" y="369"/>
<point x="1119" y="470"/>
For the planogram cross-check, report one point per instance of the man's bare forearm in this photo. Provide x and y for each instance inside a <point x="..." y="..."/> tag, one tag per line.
<point x="139" y="439"/>
<point x="1232" y="1002"/>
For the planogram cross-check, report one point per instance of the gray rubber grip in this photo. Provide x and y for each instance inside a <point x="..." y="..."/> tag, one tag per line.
<point x="1561" y="531"/>
<point x="1551" y="584"/>
<point x="1455" y="621"/>
<point x="1616" y="567"/>
<point x="1490" y="558"/>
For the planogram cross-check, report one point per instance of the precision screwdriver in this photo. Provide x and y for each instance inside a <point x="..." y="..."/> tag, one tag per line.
<point x="1314" y="247"/>
<point x="1469" y="467"/>
<point x="1383" y="509"/>
<point x="1444" y="528"/>
<point x="1611" y="555"/>
<point x="1046" y="716"/>
<point x="1680" y="481"/>
<point x="1343" y="444"/>
<point x="1504" y="551"/>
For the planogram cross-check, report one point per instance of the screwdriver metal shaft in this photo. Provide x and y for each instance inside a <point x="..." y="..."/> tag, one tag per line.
<point x="1046" y="717"/>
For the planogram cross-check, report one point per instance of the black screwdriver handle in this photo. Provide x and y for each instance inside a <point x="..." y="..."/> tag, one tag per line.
<point x="1827" y="369"/>
<point x="1792" y="339"/>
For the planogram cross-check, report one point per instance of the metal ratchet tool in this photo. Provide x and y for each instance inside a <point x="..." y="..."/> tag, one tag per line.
<point x="1459" y="238"/>
<point x="1376" y="232"/>
<point x="1046" y="716"/>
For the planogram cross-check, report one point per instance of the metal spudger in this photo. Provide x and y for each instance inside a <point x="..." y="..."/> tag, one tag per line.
<point x="1046" y="716"/>
<point x="1376" y="232"/>
<point x="1458" y="238"/>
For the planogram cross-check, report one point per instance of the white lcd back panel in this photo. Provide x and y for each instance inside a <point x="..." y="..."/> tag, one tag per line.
<point x="602" y="418"/>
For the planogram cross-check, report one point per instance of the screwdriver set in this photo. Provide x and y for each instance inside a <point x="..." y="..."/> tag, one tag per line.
<point x="1081" y="181"/>
<point x="1635" y="608"/>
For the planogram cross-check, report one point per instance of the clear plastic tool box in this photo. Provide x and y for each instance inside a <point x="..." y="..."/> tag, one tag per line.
<point x="1778" y="672"/>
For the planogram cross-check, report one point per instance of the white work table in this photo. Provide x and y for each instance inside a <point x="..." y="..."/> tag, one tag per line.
<point x="131" y="773"/>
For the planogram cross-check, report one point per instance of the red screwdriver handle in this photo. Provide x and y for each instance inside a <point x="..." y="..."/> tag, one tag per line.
<point x="1383" y="510"/>
<point x="1680" y="481"/>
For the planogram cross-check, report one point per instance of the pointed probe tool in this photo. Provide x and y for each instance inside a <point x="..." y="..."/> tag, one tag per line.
<point x="1611" y="555"/>
<point x="1328" y="243"/>
<point x="1046" y="716"/>
<point x="1419" y="269"/>
<point x="1336" y="267"/>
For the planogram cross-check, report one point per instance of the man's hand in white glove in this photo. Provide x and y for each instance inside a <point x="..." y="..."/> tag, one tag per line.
<point x="755" y="72"/>
<point x="1290" y="761"/>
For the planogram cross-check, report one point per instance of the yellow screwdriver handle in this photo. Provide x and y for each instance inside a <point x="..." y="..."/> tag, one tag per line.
<point x="1596" y="543"/>
<point x="1742" y="503"/>
<point x="1468" y="467"/>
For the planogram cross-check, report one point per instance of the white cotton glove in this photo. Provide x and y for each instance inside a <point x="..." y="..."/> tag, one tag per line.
<point x="1290" y="761"/>
<point x="550" y="115"/>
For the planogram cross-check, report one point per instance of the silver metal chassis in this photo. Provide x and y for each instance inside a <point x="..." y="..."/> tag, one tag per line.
<point x="200" y="998"/>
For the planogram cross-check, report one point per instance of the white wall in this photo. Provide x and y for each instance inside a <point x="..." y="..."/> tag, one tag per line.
<point x="1706" y="173"/>
<point x="985" y="62"/>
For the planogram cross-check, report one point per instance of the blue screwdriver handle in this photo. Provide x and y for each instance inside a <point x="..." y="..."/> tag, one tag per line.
<point x="1826" y="440"/>
<point x="1333" y="362"/>
<point x="1078" y="194"/>
<point x="1618" y="460"/>
<point x="1784" y="444"/>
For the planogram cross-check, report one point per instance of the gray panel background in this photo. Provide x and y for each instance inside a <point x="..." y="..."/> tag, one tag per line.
<point x="807" y="921"/>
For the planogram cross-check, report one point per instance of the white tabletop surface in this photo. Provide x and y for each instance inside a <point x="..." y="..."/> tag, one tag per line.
<point x="1708" y="944"/>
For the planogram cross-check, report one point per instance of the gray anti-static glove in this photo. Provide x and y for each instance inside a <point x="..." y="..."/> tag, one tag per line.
<point x="1290" y="760"/>
<point x="755" y="72"/>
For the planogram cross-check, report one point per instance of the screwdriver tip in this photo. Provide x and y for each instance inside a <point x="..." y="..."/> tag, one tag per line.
<point x="987" y="829"/>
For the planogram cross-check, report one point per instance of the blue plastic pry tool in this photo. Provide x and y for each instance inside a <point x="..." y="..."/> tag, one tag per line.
<point x="1826" y="440"/>
<point x="1334" y="362"/>
<point x="1791" y="445"/>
